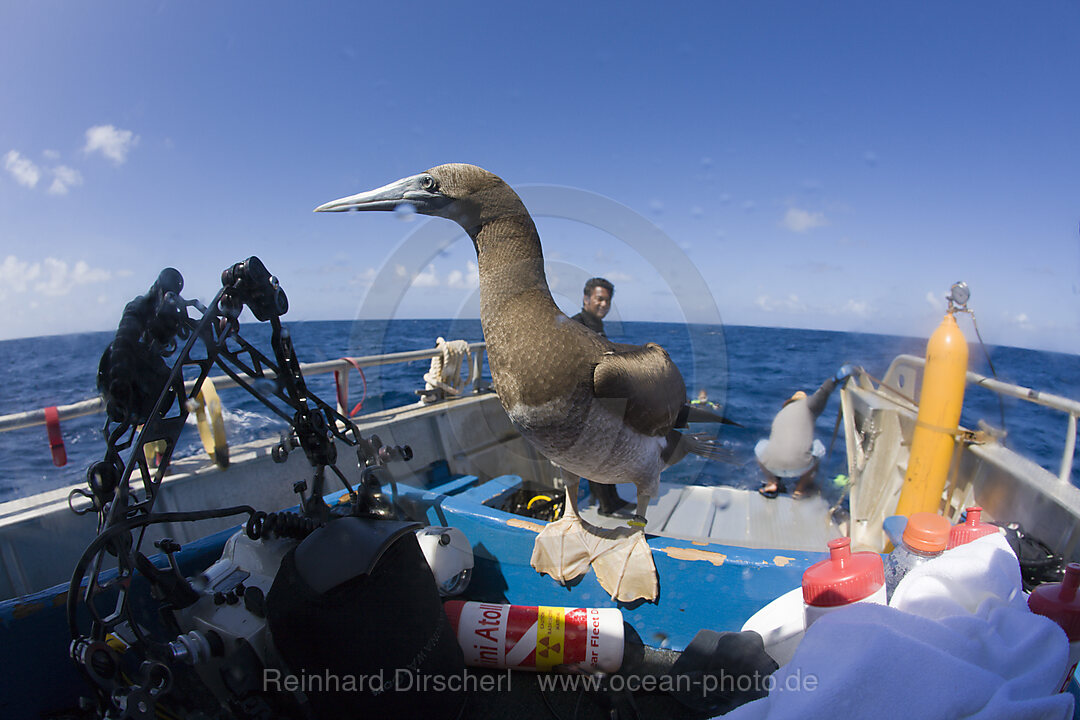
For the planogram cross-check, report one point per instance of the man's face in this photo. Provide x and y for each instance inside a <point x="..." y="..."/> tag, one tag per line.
<point x="598" y="302"/>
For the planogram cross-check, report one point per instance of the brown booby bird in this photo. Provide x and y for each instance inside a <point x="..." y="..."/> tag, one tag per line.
<point x="601" y="410"/>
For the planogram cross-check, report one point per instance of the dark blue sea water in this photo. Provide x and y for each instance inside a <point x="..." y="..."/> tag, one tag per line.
<point x="750" y="369"/>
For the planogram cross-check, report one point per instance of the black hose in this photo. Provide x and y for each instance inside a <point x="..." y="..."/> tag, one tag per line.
<point x="281" y="524"/>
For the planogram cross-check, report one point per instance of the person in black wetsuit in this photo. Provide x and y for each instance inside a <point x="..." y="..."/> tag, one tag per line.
<point x="594" y="306"/>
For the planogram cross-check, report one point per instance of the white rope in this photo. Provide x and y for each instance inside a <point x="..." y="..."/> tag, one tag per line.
<point x="445" y="371"/>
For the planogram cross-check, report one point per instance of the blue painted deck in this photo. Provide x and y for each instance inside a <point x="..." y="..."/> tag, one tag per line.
<point x="702" y="585"/>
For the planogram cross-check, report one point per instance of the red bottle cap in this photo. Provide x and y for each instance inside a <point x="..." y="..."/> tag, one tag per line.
<point x="970" y="529"/>
<point x="1060" y="602"/>
<point x="927" y="532"/>
<point x="844" y="578"/>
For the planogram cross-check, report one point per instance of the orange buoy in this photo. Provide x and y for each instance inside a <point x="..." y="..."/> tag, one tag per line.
<point x="940" y="402"/>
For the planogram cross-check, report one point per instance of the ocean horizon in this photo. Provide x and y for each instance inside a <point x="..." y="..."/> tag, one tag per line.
<point x="748" y="370"/>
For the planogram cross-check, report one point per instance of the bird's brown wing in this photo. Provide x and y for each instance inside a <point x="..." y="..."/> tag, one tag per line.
<point x="647" y="385"/>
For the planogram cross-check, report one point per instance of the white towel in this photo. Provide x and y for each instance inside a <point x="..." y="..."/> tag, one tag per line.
<point x="972" y="578"/>
<point x="973" y="651"/>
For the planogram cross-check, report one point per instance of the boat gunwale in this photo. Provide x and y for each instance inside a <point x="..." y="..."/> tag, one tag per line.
<point x="1070" y="407"/>
<point x="93" y="406"/>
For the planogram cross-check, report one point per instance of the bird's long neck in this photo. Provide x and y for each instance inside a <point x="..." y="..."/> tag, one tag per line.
<point x="513" y="286"/>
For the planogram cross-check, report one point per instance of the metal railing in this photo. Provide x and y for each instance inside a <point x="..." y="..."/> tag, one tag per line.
<point x="92" y="406"/>
<point x="1055" y="402"/>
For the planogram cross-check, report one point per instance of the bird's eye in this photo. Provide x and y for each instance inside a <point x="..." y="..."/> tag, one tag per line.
<point x="427" y="182"/>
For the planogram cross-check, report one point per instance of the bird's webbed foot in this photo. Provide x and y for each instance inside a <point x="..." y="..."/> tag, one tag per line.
<point x="625" y="567"/>
<point x="563" y="549"/>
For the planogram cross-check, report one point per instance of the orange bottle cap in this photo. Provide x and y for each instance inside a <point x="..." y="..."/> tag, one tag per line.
<point x="927" y="532"/>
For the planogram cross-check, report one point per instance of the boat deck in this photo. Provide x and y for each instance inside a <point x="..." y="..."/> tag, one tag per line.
<point x="730" y="515"/>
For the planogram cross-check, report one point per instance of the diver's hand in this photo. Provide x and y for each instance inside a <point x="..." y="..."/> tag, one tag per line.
<point x="845" y="372"/>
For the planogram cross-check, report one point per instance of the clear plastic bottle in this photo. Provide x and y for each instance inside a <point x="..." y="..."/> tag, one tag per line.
<point x="925" y="537"/>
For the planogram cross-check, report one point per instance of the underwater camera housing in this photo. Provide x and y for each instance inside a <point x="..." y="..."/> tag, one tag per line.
<point x="298" y="602"/>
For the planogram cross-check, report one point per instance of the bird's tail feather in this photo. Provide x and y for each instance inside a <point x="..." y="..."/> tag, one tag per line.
<point x="697" y="413"/>
<point x="708" y="446"/>
<point x="680" y="444"/>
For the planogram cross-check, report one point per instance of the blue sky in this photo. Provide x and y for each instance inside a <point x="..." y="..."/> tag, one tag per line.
<point x="824" y="165"/>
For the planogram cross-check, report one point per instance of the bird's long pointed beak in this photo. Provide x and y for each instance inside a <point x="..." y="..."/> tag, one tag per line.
<point x="388" y="197"/>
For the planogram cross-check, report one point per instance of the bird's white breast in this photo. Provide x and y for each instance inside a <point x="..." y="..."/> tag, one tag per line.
<point x="605" y="450"/>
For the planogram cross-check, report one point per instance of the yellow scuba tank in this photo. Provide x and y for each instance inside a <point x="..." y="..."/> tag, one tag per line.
<point x="940" y="402"/>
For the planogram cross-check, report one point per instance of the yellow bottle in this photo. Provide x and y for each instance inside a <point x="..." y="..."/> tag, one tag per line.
<point x="940" y="403"/>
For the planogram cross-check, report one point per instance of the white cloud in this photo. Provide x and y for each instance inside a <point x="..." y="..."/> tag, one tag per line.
<point x="616" y="277"/>
<point x="64" y="178"/>
<point x="859" y="308"/>
<point x="25" y="172"/>
<point x="1020" y="320"/>
<point x="789" y="304"/>
<point x="468" y="280"/>
<point x="58" y="279"/>
<point x="111" y="142"/>
<point x="53" y="272"/>
<point x="82" y="274"/>
<point x="16" y="276"/>
<point x="426" y="278"/>
<point x="51" y="154"/>
<point x="429" y="277"/>
<point x="49" y="277"/>
<point x="364" y="278"/>
<point x="800" y="221"/>
<point x="935" y="301"/>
